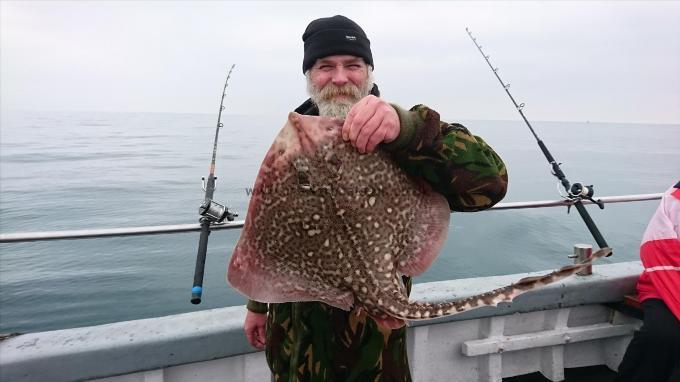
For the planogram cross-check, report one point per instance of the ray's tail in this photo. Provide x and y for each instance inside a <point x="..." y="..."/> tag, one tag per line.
<point x="405" y="309"/>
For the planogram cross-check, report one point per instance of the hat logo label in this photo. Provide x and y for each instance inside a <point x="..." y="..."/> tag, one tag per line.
<point x="351" y="38"/>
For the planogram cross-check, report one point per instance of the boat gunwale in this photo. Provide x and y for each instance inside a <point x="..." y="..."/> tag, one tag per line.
<point x="79" y="353"/>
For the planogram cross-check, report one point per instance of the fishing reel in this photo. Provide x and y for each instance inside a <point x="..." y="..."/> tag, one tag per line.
<point x="210" y="209"/>
<point x="580" y="192"/>
<point x="215" y="212"/>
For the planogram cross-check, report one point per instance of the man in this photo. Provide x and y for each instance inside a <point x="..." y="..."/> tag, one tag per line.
<point x="311" y="341"/>
<point x="653" y="354"/>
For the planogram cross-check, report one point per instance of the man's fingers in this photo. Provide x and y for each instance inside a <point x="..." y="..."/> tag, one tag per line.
<point x="363" y="112"/>
<point x="370" y="122"/>
<point x="358" y="124"/>
<point x="262" y="336"/>
<point x="372" y="131"/>
<point x="391" y="124"/>
<point x="376" y="138"/>
<point x="259" y="344"/>
<point x="256" y="338"/>
<point x="387" y="131"/>
<point x="254" y="327"/>
<point x="391" y="322"/>
<point x="251" y="338"/>
<point x="349" y="119"/>
<point x="348" y="122"/>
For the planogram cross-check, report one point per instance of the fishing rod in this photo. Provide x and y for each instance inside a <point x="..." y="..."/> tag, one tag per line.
<point x="575" y="192"/>
<point x="211" y="212"/>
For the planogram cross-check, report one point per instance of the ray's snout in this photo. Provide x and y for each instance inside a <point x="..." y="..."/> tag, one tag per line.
<point x="311" y="132"/>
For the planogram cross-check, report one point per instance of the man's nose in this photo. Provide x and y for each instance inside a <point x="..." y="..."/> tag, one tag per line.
<point x="340" y="76"/>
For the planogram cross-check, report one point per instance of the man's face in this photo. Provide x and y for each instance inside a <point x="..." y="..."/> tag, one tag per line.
<point x="335" y="83"/>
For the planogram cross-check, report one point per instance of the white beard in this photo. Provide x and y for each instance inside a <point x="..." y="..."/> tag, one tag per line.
<point x="338" y="108"/>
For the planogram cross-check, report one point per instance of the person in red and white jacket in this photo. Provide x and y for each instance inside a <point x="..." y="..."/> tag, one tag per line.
<point x="654" y="352"/>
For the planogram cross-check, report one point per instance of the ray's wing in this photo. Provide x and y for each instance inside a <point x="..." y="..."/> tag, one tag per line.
<point x="431" y="226"/>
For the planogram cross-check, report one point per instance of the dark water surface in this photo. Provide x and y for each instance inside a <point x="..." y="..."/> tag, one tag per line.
<point x="64" y="171"/>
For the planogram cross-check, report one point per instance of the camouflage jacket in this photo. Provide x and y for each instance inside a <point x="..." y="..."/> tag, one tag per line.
<point x="311" y="341"/>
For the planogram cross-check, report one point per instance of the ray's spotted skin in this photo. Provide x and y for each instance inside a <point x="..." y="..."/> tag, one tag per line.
<point x="326" y="223"/>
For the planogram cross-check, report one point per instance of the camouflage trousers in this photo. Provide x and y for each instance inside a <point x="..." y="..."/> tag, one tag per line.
<point x="314" y="342"/>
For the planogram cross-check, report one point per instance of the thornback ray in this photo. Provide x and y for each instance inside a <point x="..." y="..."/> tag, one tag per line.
<point x="326" y="223"/>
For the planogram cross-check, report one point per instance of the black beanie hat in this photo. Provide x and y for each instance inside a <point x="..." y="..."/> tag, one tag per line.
<point x="334" y="35"/>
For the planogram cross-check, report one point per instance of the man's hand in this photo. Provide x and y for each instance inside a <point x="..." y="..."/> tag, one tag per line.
<point x="370" y="122"/>
<point x="254" y="328"/>
<point x="387" y="322"/>
<point x="390" y="322"/>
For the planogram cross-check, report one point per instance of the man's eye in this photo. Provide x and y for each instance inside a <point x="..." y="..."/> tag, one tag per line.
<point x="354" y="66"/>
<point x="325" y="67"/>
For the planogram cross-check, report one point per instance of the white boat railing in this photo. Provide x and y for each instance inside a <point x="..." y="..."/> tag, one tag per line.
<point x="195" y="227"/>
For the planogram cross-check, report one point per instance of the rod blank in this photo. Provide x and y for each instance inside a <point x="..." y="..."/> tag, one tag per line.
<point x="557" y="171"/>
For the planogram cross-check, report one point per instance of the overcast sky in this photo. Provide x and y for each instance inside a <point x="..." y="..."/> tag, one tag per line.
<point x="573" y="61"/>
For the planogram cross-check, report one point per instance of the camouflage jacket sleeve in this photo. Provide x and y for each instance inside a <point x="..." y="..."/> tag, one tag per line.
<point x="256" y="306"/>
<point x="457" y="164"/>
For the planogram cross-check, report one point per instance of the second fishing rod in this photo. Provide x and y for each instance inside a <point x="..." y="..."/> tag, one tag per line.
<point x="575" y="192"/>
<point x="210" y="211"/>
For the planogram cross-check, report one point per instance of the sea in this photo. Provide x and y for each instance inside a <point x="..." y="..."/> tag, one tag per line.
<point x="88" y="170"/>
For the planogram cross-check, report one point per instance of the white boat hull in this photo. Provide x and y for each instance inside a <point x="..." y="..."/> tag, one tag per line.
<point x="547" y="330"/>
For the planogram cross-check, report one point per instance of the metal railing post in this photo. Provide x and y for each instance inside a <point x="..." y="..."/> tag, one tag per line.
<point x="583" y="253"/>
